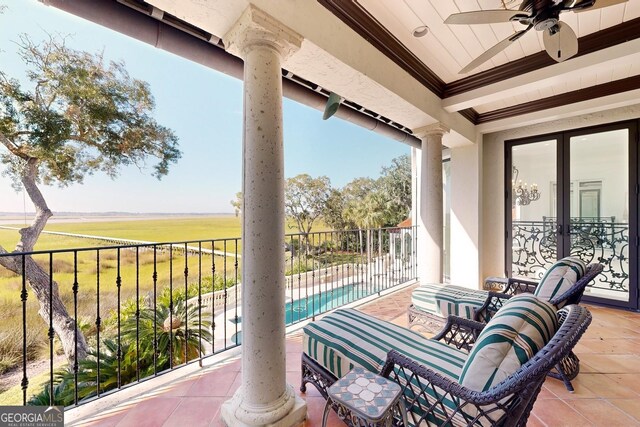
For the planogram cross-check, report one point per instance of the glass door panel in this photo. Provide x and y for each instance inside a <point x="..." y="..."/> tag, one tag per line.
<point x="599" y="208"/>
<point x="534" y="207"/>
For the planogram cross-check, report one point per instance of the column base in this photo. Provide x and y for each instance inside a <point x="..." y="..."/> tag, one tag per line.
<point x="288" y="411"/>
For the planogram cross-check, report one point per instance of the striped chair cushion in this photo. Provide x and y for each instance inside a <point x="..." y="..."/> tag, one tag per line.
<point x="443" y="300"/>
<point x="348" y="338"/>
<point x="560" y="277"/>
<point x="518" y="330"/>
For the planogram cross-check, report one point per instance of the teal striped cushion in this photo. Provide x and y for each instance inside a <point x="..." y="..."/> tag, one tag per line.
<point x="444" y="300"/>
<point x="518" y="330"/>
<point x="348" y="338"/>
<point x="560" y="277"/>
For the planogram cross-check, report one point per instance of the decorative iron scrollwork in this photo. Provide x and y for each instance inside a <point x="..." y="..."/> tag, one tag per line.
<point x="534" y="249"/>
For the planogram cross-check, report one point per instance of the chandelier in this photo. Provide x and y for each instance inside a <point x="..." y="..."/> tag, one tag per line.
<point x="523" y="194"/>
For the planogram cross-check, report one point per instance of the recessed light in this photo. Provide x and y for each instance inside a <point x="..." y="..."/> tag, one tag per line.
<point x="420" y="31"/>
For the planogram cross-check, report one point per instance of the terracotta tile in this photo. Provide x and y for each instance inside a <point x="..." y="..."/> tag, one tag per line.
<point x="180" y="388"/>
<point x="614" y="345"/>
<point x="315" y="409"/>
<point x="629" y="381"/>
<point x="151" y="412"/>
<point x="586" y="368"/>
<point x="630" y="406"/>
<point x="294" y="346"/>
<point x="613" y="363"/>
<point x="235" y="385"/>
<point x="232" y="365"/>
<point x="195" y="411"/>
<point x="534" y="421"/>
<point x="215" y="383"/>
<point x="545" y="393"/>
<point x="557" y="387"/>
<point x="293" y="378"/>
<point x="599" y="385"/>
<point x="601" y="412"/>
<point x="107" y="420"/>
<point x="293" y="362"/>
<point x="556" y="413"/>
<point x="605" y="330"/>
<point x="217" y="421"/>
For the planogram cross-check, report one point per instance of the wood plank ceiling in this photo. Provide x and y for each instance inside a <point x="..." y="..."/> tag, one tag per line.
<point x="448" y="48"/>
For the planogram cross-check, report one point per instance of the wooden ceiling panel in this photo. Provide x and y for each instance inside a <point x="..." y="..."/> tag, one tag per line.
<point x="447" y="48"/>
<point x="612" y="15"/>
<point x="401" y="21"/>
<point x="588" y="22"/>
<point x="631" y="10"/>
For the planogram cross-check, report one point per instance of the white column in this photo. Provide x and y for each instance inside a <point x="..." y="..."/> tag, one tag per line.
<point x="430" y="222"/>
<point x="415" y="188"/>
<point x="264" y="398"/>
<point x="466" y="196"/>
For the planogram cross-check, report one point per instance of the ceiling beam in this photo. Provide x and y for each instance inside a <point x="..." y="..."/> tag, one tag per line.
<point x="589" y="106"/>
<point x="593" y="92"/>
<point x="620" y="54"/>
<point x="624" y="32"/>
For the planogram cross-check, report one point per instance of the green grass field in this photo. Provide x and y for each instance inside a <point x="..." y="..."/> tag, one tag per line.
<point x="153" y="230"/>
<point x="136" y="272"/>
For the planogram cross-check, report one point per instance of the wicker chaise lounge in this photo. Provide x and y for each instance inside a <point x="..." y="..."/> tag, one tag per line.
<point x="443" y="384"/>
<point x="563" y="284"/>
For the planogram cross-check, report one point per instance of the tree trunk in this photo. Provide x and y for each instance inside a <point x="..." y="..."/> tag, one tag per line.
<point x="64" y="326"/>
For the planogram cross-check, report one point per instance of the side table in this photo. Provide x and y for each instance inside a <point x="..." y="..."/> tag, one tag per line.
<point x="363" y="398"/>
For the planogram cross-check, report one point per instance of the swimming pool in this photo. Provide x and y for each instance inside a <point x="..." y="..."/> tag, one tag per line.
<point x="311" y="305"/>
<point x="306" y="307"/>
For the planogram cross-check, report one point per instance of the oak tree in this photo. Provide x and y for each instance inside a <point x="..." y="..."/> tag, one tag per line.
<point x="75" y="114"/>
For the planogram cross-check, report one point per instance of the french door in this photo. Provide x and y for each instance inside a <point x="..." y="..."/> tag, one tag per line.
<point x="576" y="193"/>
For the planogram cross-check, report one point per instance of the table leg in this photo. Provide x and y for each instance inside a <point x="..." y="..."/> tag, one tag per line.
<point x="325" y="414"/>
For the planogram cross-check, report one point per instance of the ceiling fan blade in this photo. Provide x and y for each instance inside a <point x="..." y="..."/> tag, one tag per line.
<point x="486" y="17"/>
<point x="493" y="51"/>
<point x="599" y="4"/>
<point x="561" y="45"/>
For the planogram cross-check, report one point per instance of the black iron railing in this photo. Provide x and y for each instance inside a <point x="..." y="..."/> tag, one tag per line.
<point x="534" y="249"/>
<point x="146" y="309"/>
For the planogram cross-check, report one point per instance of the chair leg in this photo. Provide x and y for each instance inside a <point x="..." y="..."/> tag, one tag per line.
<point x="566" y="370"/>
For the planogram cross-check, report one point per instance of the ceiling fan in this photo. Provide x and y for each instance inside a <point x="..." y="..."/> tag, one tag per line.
<point x="560" y="41"/>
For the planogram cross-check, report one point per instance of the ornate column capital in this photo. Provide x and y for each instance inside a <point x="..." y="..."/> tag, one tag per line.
<point x="257" y="28"/>
<point x="438" y="129"/>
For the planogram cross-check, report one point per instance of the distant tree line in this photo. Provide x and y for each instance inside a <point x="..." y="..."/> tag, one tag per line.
<point x="362" y="203"/>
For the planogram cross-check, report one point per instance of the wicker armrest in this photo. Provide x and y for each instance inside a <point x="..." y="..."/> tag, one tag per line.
<point x="510" y="285"/>
<point x="434" y="396"/>
<point x="491" y="305"/>
<point x="518" y="286"/>
<point x="459" y="332"/>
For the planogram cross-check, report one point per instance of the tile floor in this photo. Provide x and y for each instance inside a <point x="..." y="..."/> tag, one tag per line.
<point x="607" y="391"/>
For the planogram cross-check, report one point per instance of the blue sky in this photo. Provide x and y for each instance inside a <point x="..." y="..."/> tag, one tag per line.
<point x="204" y="108"/>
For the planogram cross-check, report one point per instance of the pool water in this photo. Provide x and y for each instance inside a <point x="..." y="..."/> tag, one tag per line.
<point x="306" y="307"/>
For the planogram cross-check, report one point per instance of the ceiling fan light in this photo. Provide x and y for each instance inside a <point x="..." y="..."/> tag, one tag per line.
<point x="420" y="31"/>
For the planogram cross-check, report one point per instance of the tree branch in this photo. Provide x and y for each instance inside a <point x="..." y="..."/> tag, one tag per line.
<point x="29" y="235"/>
<point x="6" y="262"/>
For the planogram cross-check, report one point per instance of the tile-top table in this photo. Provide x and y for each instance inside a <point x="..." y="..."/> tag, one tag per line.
<point x="363" y="398"/>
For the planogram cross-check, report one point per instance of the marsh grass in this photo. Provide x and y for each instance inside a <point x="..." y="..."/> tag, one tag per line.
<point x="97" y="279"/>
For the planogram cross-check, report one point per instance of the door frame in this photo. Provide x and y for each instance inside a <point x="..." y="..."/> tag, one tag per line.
<point x="563" y="201"/>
